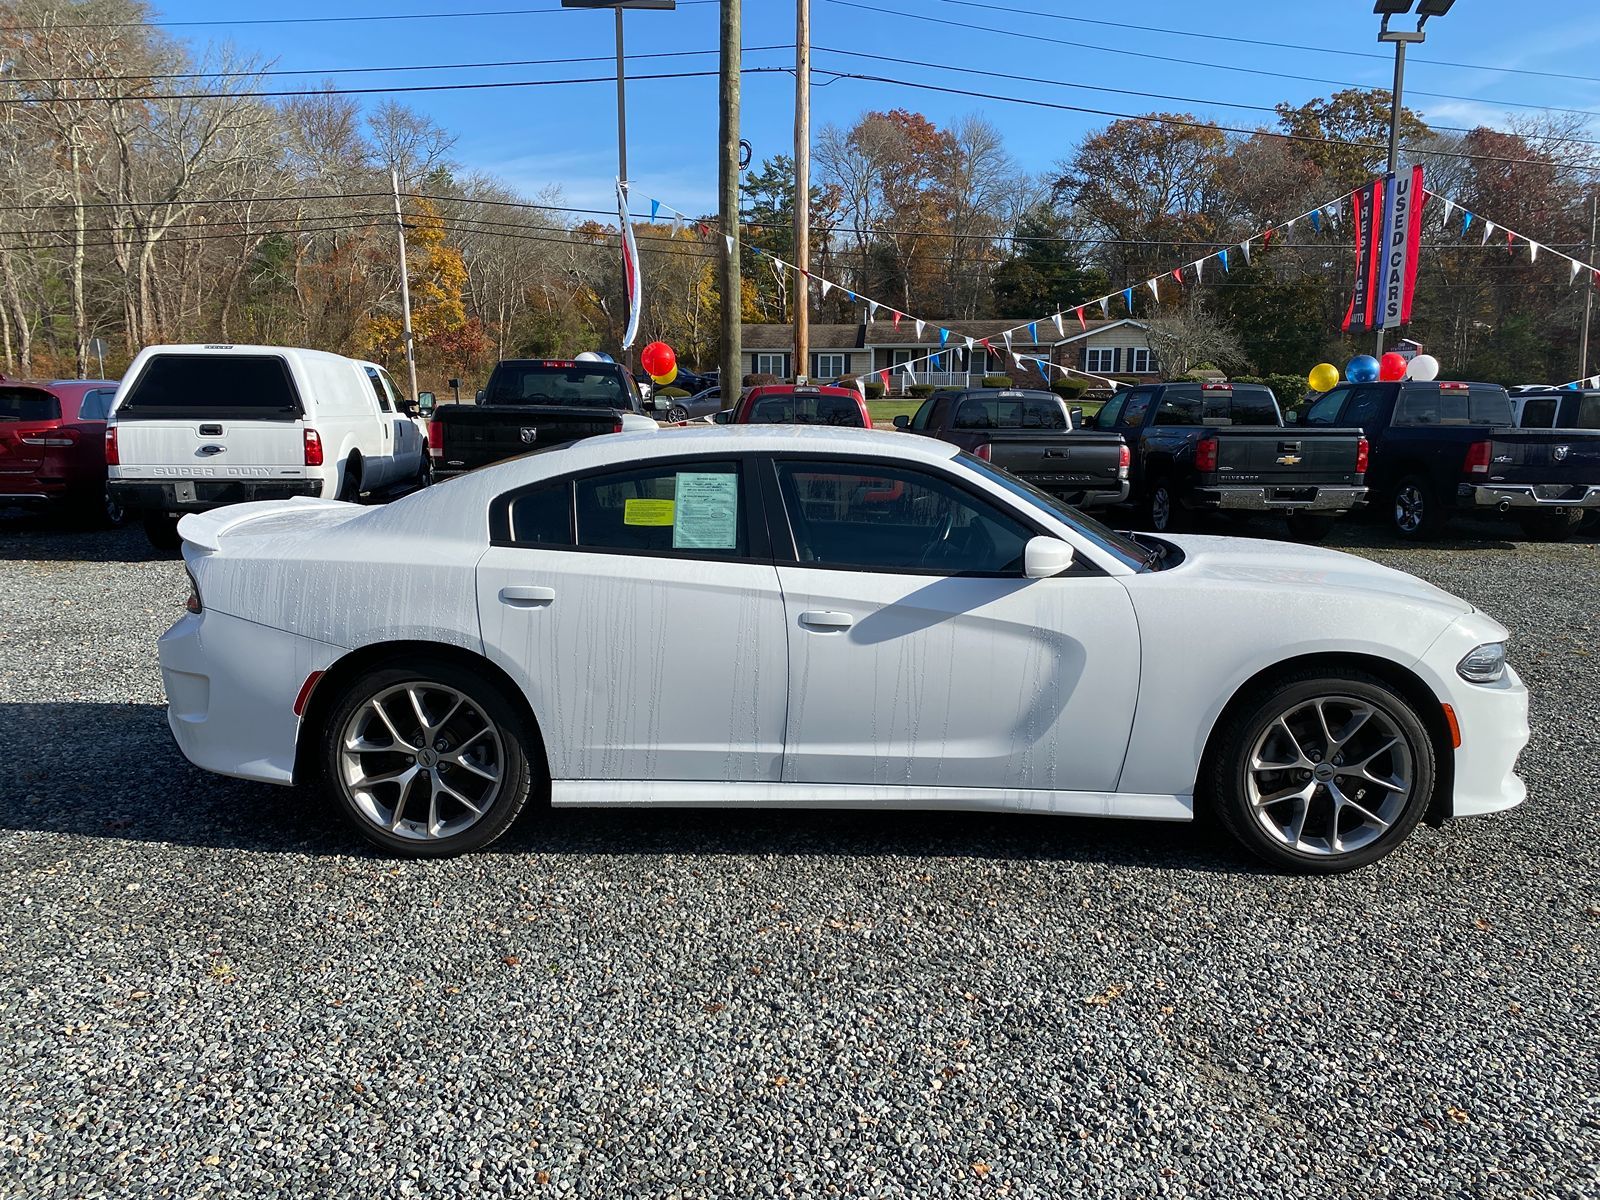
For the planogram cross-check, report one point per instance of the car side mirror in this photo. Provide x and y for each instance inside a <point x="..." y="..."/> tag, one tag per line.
<point x="479" y="396"/>
<point x="902" y="421"/>
<point x="1043" y="557"/>
<point x="722" y="416"/>
<point x="425" y="403"/>
<point x="660" y="403"/>
<point x="1291" y="418"/>
<point x="1075" y="414"/>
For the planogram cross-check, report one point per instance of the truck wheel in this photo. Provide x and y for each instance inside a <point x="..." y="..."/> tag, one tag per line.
<point x="1320" y="772"/>
<point x="1551" y="527"/>
<point x="1162" y="512"/>
<point x="1309" y="528"/>
<point x="1415" y="512"/>
<point x="350" y="488"/>
<point x="424" y="477"/>
<point x="162" y="530"/>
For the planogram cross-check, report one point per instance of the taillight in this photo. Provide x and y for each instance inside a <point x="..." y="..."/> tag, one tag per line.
<point x="1205" y="454"/>
<point x="56" y="437"/>
<point x="1477" y="462"/>
<point x="1124" y="459"/>
<point x="313" y="448"/>
<point x="192" y="601"/>
<point x="616" y="426"/>
<point x="1362" y="451"/>
<point x="436" y="439"/>
<point x="985" y="452"/>
<point x="111" y="447"/>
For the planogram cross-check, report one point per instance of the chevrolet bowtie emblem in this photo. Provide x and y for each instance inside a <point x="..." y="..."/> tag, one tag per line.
<point x="1288" y="460"/>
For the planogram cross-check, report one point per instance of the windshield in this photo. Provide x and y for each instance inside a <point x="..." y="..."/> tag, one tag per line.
<point x="575" y="385"/>
<point x="1121" y="547"/>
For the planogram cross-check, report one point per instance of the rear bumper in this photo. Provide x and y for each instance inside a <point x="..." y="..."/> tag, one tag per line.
<point x="1528" y="495"/>
<point x="200" y="494"/>
<point x="1306" y="498"/>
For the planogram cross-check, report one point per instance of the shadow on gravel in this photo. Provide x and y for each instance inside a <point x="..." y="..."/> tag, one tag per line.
<point x="112" y="771"/>
<point x="27" y="536"/>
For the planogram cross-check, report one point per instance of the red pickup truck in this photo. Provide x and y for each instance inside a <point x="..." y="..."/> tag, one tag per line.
<point x="798" y="404"/>
<point x="53" y="447"/>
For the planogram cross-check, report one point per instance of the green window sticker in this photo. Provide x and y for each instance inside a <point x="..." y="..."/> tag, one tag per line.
<point x="708" y="511"/>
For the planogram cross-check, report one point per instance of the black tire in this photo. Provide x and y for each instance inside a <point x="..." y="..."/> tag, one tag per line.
<point x="1226" y="780"/>
<point x="350" y="485"/>
<point x="1549" y="526"/>
<point x="162" y="530"/>
<point x="677" y="413"/>
<point x="1161" y="510"/>
<point x="1309" y="528"/>
<point x="96" y="510"/>
<point x="518" y="765"/>
<point x="1416" y="512"/>
<point x="424" y="476"/>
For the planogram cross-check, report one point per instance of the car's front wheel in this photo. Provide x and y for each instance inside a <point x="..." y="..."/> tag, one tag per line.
<point x="1320" y="773"/>
<point x="427" y="759"/>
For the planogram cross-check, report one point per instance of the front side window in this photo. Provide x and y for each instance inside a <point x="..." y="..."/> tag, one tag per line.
<point x="1325" y="410"/>
<point x="889" y="518"/>
<point x="679" y="508"/>
<point x="1102" y="361"/>
<point x="919" y="420"/>
<point x="96" y="404"/>
<point x="378" y="390"/>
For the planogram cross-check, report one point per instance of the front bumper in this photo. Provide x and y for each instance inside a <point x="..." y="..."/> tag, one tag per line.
<point x="1306" y="498"/>
<point x="231" y="686"/>
<point x="1547" y="496"/>
<point x="198" y="495"/>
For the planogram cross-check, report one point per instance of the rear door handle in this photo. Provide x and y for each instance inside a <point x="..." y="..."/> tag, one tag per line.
<point x="527" y="597"/>
<point x="818" y="619"/>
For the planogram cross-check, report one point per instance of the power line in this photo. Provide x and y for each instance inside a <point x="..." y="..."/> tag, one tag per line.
<point x="923" y="18"/>
<point x="1244" y="41"/>
<point x="231" y="21"/>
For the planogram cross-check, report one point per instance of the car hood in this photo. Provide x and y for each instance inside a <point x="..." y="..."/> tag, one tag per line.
<point x="1303" y="570"/>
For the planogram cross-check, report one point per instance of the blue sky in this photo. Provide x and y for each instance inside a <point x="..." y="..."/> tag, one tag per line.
<point x="534" y="137"/>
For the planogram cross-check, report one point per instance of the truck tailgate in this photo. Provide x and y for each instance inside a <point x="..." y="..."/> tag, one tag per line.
<point x="1059" y="462"/>
<point x="1545" y="456"/>
<point x="1286" y="456"/>
<point x="152" y="448"/>
<point x="475" y="435"/>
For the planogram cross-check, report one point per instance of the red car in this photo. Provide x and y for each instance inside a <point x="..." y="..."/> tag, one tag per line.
<point x="791" y="404"/>
<point x="53" y="446"/>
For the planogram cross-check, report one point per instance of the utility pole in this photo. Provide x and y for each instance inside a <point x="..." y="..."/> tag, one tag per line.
<point x="1588" y="292"/>
<point x="802" y="188"/>
<point x="622" y="111"/>
<point x="405" y="286"/>
<point x="728" y="202"/>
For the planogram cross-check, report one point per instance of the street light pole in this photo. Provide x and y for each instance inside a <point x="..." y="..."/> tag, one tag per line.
<point x="622" y="111"/>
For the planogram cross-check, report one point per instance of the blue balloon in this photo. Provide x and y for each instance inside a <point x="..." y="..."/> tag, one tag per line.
<point x="1363" y="368"/>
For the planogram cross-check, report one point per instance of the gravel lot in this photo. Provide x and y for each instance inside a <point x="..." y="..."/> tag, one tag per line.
<point x="208" y="988"/>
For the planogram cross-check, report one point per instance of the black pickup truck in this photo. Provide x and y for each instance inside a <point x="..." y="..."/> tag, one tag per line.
<point x="1029" y="434"/>
<point x="1439" y="448"/>
<point x="1556" y="408"/>
<point x="531" y="404"/>
<point x="1225" y="446"/>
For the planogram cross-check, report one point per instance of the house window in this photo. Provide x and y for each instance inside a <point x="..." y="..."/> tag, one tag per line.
<point x="978" y="361"/>
<point x="1100" y="360"/>
<point x="771" y="364"/>
<point x="829" y="366"/>
<point x="1139" y="360"/>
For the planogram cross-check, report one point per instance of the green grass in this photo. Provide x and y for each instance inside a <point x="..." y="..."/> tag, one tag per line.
<point x="888" y="410"/>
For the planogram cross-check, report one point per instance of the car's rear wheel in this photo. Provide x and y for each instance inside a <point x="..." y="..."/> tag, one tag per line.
<point x="162" y="530"/>
<point x="1162" y="512"/>
<point x="350" y="485"/>
<point x="1321" y="773"/>
<point x="1309" y="527"/>
<point x="1415" y="510"/>
<point x="427" y="760"/>
<point x="677" y="414"/>
<point x="1551" y="527"/>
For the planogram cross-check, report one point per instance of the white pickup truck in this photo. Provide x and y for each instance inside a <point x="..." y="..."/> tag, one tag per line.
<point x="197" y="427"/>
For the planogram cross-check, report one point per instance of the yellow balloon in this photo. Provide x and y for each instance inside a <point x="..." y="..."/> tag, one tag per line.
<point x="671" y="375"/>
<point x="1324" y="377"/>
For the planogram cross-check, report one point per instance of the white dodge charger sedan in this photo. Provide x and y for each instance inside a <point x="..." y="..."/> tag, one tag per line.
<point x="824" y="617"/>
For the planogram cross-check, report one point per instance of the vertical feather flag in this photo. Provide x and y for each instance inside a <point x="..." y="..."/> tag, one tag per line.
<point x="632" y="283"/>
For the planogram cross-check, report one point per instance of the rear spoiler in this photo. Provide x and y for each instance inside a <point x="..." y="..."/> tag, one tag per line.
<point x="205" y="530"/>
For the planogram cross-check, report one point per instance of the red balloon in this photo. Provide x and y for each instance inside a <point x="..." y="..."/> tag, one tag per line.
<point x="1392" y="366"/>
<point x="657" y="359"/>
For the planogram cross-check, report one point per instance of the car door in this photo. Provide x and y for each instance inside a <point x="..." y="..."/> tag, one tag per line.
<point x="920" y="657"/>
<point x="407" y="437"/>
<point x="638" y="609"/>
<point x="382" y="467"/>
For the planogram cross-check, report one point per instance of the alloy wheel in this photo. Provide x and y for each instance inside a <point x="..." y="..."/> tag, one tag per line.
<point x="1409" y="508"/>
<point x="1161" y="508"/>
<point x="1330" y="775"/>
<point x="421" y="761"/>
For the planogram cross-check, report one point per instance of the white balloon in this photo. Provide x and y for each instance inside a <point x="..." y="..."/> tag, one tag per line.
<point x="588" y="356"/>
<point x="1423" y="367"/>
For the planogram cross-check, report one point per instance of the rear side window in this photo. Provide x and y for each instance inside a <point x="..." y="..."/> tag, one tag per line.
<point x="1588" y="413"/>
<point x="543" y="516"/>
<point x="96" y="404"/>
<point x="28" y="404"/>
<point x="242" y="386"/>
<point x="691" y="509"/>
<point x="1489" y="406"/>
<point x="801" y="408"/>
<point x="1539" y="414"/>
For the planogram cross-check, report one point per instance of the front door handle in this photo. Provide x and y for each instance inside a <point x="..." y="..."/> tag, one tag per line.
<point x="827" y="620"/>
<point x="527" y="597"/>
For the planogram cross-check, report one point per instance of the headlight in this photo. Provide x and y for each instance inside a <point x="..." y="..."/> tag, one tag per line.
<point x="1486" y="664"/>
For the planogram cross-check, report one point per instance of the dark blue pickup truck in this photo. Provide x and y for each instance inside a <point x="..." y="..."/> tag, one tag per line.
<point x="1439" y="448"/>
<point x="1224" y="446"/>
